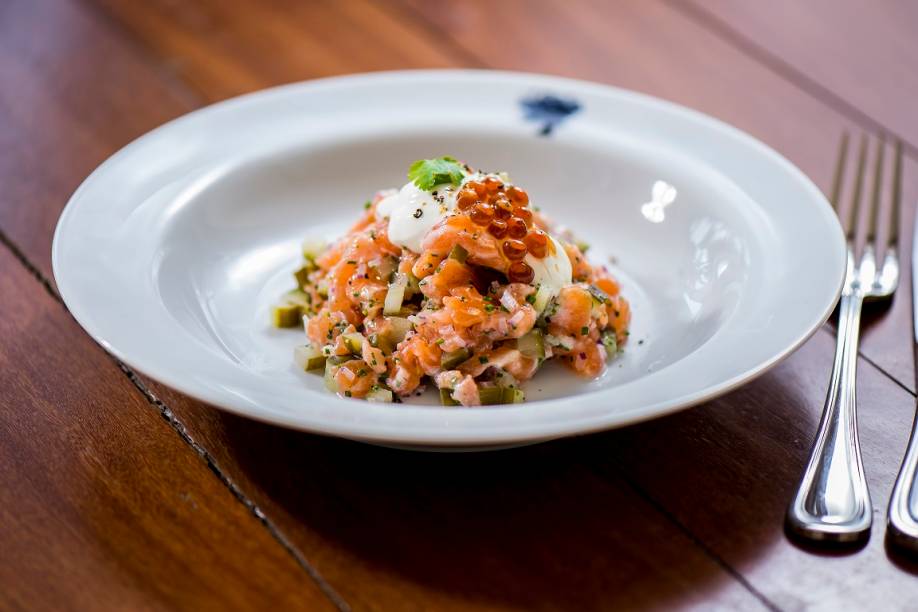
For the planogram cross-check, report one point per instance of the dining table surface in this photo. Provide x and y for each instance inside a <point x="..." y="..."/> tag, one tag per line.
<point x="118" y="493"/>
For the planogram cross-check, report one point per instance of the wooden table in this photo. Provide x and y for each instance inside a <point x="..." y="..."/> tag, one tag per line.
<point x="118" y="493"/>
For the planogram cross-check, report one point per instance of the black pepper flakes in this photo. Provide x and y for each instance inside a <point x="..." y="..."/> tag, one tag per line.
<point x="418" y="213"/>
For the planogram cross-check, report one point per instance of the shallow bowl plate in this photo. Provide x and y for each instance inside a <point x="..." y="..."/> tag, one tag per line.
<point x="171" y="253"/>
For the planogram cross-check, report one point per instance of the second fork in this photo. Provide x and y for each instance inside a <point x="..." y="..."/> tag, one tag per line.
<point x="832" y="502"/>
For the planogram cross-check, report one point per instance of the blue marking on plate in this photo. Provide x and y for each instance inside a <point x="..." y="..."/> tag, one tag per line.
<point x="548" y="110"/>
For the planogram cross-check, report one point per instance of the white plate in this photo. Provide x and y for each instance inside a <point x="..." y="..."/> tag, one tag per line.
<point x="172" y="251"/>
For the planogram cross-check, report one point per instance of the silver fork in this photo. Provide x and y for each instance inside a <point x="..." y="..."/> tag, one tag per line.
<point x="832" y="502"/>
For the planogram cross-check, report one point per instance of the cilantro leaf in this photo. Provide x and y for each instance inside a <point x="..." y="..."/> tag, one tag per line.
<point x="428" y="173"/>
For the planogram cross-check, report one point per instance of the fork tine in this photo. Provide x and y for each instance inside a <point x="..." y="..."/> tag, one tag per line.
<point x="874" y="212"/>
<point x="893" y="240"/>
<point x="858" y="185"/>
<point x="839" y="170"/>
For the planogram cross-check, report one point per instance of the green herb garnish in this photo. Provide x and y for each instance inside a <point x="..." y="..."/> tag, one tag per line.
<point x="428" y="173"/>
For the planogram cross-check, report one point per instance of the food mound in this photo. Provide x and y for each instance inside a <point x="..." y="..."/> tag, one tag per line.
<point x="453" y="279"/>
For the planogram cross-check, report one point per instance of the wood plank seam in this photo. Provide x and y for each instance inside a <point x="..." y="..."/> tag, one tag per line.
<point x="329" y="591"/>
<point x="787" y="71"/>
<point x="28" y="265"/>
<point x="472" y="58"/>
<point x="336" y="599"/>
<point x="257" y="512"/>
<point x="175" y="82"/>
<point x="722" y="30"/>
<point x="795" y="79"/>
<point x="831" y="331"/>
<point x="426" y="25"/>
<point x="278" y="535"/>
<point x="732" y="571"/>
<point x="781" y="68"/>
<point x="803" y="81"/>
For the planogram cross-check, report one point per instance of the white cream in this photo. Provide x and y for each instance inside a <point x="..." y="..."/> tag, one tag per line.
<point x="413" y="212"/>
<point x="552" y="272"/>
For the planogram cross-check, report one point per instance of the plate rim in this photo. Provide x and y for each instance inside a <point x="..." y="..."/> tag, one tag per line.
<point x="440" y="437"/>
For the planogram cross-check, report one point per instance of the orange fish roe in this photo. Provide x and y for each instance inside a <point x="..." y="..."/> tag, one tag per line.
<point x="464" y="313"/>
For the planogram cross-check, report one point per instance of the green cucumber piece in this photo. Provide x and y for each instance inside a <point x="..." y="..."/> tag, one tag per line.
<point x="379" y="395"/>
<point x="395" y="296"/>
<point x="532" y="344"/>
<point x="286" y="315"/>
<point x="353" y="342"/>
<point x="542" y="298"/>
<point x="330" y="369"/>
<point x="446" y="398"/>
<point x="400" y="327"/>
<point x="610" y="342"/>
<point x="413" y="287"/>
<point x="450" y="360"/>
<point x="490" y="395"/>
<point x="458" y="253"/>
<point x="299" y="298"/>
<point x="312" y="248"/>
<point x="513" y="395"/>
<point x="302" y="275"/>
<point x="395" y="332"/>
<point x="308" y="357"/>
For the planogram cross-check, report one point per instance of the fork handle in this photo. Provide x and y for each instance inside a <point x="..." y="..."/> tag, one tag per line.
<point x="832" y="502"/>
<point x="902" y="516"/>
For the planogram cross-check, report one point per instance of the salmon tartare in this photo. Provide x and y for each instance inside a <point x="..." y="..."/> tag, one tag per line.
<point x="454" y="280"/>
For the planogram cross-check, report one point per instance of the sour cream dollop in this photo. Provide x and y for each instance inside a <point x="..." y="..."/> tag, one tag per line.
<point x="413" y="212"/>
<point x="552" y="272"/>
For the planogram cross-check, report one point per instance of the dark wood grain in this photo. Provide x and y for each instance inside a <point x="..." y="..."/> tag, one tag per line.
<point x="626" y="45"/>
<point x="661" y="49"/>
<point x="857" y="58"/>
<point x="727" y="470"/>
<point x="102" y="504"/>
<point x="723" y="472"/>
<point x="227" y="48"/>
<point x="532" y="528"/>
<point x="697" y="579"/>
<point x="620" y="44"/>
<point x="682" y="512"/>
<point x="72" y="92"/>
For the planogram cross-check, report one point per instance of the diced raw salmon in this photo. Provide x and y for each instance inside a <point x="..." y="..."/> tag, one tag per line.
<point x="462" y="305"/>
<point x="582" y="271"/>
<point x="448" y="274"/>
<point x="483" y="249"/>
<point x="354" y="378"/>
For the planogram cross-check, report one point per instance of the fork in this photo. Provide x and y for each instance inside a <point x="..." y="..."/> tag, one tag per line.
<point x="832" y="502"/>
